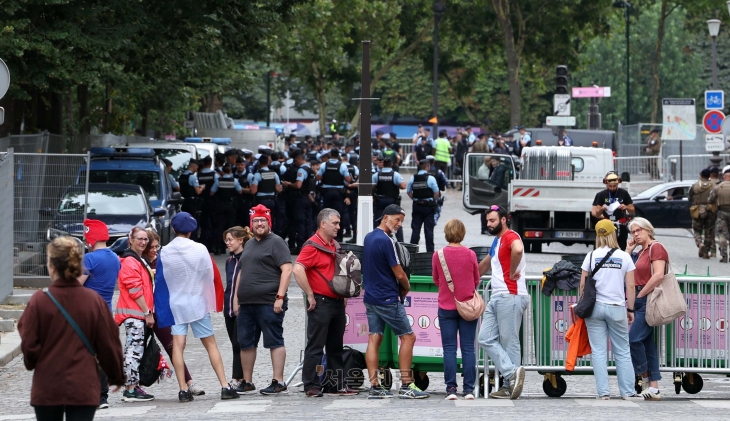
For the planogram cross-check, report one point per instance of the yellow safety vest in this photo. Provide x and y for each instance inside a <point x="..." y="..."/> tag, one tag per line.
<point x="442" y="150"/>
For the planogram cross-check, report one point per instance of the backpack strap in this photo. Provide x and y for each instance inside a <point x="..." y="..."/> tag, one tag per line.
<point x="71" y="321"/>
<point x="321" y="247"/>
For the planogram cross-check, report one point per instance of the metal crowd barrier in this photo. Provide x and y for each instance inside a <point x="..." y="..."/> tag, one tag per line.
<point x="691" y="345"/>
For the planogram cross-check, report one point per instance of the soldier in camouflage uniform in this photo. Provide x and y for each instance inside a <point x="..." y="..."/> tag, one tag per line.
<point x="703" y="214"/>
<point x="721" y="196"/>
<point x="653" y="148"/>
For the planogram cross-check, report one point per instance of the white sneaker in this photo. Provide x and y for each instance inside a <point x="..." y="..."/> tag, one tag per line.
<point x="195" y="390"/>
<point x="451" y="397"/>
<point x="468" y="397"/>
<point x="651" y="396"/>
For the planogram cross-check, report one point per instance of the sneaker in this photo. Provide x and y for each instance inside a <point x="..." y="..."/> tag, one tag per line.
<point x="451" y="397"/>
<point x="379" y="392"/>
<point x="245" y="388"/>
<point x="136" y="395"/>
<point x="344" y="392"/>
<point x="103" y="403"/>
<point x="516" y="383"/>
<point x="229" y="393"/>
<point x="502" y="393"/>
<point x="314" y="392"/>
<point x="195" y="390"/>
<point x="651" y="396"/>
<point x="275" y="388"/>
<point x="633" y="397"/>
<point x="469" y="397"/>
<point x="603" y="398"/>
<point x="411" y="391"/>
<point x="184" y="396"/>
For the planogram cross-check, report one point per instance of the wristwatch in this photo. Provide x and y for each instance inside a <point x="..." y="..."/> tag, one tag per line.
<point x="279" y="297"/>
<point x="630" y="310"/>
<point x="149" y="313"/>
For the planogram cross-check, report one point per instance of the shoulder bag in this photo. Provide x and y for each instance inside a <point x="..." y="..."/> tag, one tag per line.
<point x="587" y="300"/>
<point x="72" y="322"/>
<point x="469" y="310"/>
<point x="665" y="302"/>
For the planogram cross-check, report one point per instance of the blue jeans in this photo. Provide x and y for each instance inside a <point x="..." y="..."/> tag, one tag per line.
<point x="500" y="334"/>
<point x="451" y="324"/>
<point x="610" y="321"/>
<point x="644" y="353"/>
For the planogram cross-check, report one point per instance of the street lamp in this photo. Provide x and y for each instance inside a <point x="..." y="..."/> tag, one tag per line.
<point x="622" y="4"/>
<point x="713" y="26"/>
<point x="438" y="12"/>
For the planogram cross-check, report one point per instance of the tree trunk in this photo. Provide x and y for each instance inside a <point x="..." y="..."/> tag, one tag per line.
<point x="655" y="63"/>
<point x="82" y="96"/>
<point x="68" y="108"/>
<point x="501" y="9"/>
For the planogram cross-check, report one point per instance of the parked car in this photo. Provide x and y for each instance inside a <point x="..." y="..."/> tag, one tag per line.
<point x="119" y="206"/>
<point x="666" y="205"/>
<point x="178" y="153"/>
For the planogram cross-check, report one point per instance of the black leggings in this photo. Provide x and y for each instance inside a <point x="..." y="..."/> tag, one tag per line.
<point x="233" y="336"/>
<point x="73" y="413"/>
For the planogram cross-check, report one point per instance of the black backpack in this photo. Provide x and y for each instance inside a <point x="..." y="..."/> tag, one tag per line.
<point x="353" y="365"/>
<point x="149" y="373"/>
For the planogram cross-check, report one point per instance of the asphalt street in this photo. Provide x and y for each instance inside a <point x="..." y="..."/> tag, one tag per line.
<point x="712" y="402"/>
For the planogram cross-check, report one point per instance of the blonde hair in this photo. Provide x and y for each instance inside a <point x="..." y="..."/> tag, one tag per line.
<point x="239" y="233"/>
<point x="66" y="256"/>
<point x="644" y="224"/>
<point x="609" y="240"/>
<point x="454" y="231"/>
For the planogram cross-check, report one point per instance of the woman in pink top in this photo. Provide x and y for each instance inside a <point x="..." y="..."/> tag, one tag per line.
<point x="464" y="269"/>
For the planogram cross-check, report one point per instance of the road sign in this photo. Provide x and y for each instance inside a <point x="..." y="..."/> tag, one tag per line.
<point x="592" y="92"/>
<point x="714" y="100"/>
<point x="4" y="78"/>
<point x="561" y="121"/>
<point x="714" y="142"/>
<point x="679" y="119"/>
<point x="712" y="121"/>
<point x="189" y="124"/>
<point x="561" y="104"/>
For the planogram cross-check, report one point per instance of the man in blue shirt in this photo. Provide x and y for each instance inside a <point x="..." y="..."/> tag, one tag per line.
<point x="265" y="184"/>
<point x="168" y="170"/>
<point x="424" y="191"/>
<point x="386" y="285"/>
<point x="334" y="174"/>
<point x="387" y="186"/>
<point x="101" y="268"/>
<point x="526" y="138"/>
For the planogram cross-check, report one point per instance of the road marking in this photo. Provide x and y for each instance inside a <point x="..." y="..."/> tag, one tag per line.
<point x="124" y="410"/>
<point x="17" y="417"/>
<point x="253" y="405"/>
<point x="713" y="404"/>
<point x="486" y="402"/>
<point x="357" y="404"/>
<point x="612" y="402"/>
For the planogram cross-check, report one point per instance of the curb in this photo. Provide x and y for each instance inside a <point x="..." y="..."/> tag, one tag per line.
<point x="9" y="348"/>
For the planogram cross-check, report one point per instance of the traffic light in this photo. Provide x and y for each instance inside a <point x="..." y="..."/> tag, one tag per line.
<point x="561" y="79"/>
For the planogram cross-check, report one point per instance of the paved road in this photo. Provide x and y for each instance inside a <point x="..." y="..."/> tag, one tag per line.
<point x="712" y="402"/>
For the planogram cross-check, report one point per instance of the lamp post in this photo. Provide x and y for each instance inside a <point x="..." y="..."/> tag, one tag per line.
<point x="621" y="4"/>
<point x="438" y="11"/>
<point x="713" y="26"/>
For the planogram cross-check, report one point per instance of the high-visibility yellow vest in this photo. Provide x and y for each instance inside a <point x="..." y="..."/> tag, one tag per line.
<point x="442" y="150"/>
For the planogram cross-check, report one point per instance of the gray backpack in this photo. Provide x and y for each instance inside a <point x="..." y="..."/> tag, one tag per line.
<point x="347" y="281"/>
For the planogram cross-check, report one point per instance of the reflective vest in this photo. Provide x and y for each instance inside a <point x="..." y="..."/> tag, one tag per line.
<point x="226" y="189"/>
<point x="291" y="176"/>
<point x="332" y="176"/>
<point x="442" y="150"/>
<point x="420" y="186"/>
<point x="206" y="179"/>
<point x="386" y="185"/>
<point x="186" y="190"/>
<point x="268" y="181"/>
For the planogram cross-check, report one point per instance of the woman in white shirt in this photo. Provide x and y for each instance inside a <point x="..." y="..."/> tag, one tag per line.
<point x="611" y="316"/>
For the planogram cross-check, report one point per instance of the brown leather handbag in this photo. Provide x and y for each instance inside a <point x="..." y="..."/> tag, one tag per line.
<point x="469" y="310"/>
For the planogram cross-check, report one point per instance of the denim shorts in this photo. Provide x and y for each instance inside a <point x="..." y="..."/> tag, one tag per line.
<point x="201" y="328"/>
<point x="393" y="315"/>
<point x="255" y="319"/>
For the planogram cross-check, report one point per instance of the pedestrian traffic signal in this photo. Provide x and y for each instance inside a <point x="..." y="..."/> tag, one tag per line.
<point x="561" y="79"/>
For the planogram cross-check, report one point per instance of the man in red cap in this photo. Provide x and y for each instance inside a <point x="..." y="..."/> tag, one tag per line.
<point x="101" y="269"/>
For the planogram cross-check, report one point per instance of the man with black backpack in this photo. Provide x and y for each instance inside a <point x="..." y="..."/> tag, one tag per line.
<point x="326" y="319"/>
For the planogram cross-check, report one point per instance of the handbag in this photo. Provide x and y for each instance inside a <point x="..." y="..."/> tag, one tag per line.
<point x="666" y="302"/>
<point x="470" y="309"/>
<point x="587" y="300"/>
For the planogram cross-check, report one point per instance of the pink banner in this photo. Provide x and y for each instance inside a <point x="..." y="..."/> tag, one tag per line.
<point x="701" y="332"/>
<point x="356" y="324"/>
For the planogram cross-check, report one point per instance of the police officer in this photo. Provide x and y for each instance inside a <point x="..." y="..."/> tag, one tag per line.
<point x="387" y="186"/>
<point x="721" y="196"/>
<point x="265" y="184"/>
<point x="296" y="194"/>
<point x="441" y="182"/>
<point x="243" y="202"/>
<point x="231" y="157"/>
<point x="190" y="189"/>
<point x="653" y="148"/>
<point x="424" y="191"/>
<point x="334" y="175"/>
<point x="604" y="206"/>
<point x="315" y="195"/>
<point x="349" y="218"/>
<point x="225" y="191"/>
<point x="279" y="212"/>
<point x="703" y="214"/>
<point x="208" y="178"/>
<point x="168" y="170"/>
<point x="248" y="159"/>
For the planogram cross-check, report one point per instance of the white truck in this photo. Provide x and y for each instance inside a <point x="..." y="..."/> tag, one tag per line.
<point x="551" y="199"/>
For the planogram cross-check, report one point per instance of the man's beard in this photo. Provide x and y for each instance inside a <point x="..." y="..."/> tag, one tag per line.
<point x="391" y="227"/>
<point x="496" y="230"/>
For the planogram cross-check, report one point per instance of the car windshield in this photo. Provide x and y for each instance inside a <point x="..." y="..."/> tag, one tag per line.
<point x="148" y="180"/>
<point x="107" y="202"/>
<point x="179" y="158"/>
<point x="653" y="191"/>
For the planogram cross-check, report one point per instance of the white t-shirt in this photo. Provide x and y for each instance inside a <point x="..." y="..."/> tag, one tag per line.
<point x="610" y="286"/>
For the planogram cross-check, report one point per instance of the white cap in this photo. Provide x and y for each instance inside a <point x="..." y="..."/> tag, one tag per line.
<point x="257" y="156"/>
<point x="725" y="168"/>
<point x="430" y="157"/>
<point x="247" y="152"/>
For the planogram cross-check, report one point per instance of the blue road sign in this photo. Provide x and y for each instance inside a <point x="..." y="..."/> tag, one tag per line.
<point x="714" y="100"/>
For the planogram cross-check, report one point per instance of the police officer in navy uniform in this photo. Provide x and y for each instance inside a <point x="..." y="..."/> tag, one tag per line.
<point x="334" y="175"/>
<point x="424" y="191"/>
<point x="265" y="184"/>
<point x="190" y="189"/>
<point x="279" y="212"/>
<point x="244" y="202"/>
<point x="349" y="217"/>
<point x="387" y="186"/>
<point x="226" y="191"/>
<point x="296" y="195"/>
<point x="208" y="178"/>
